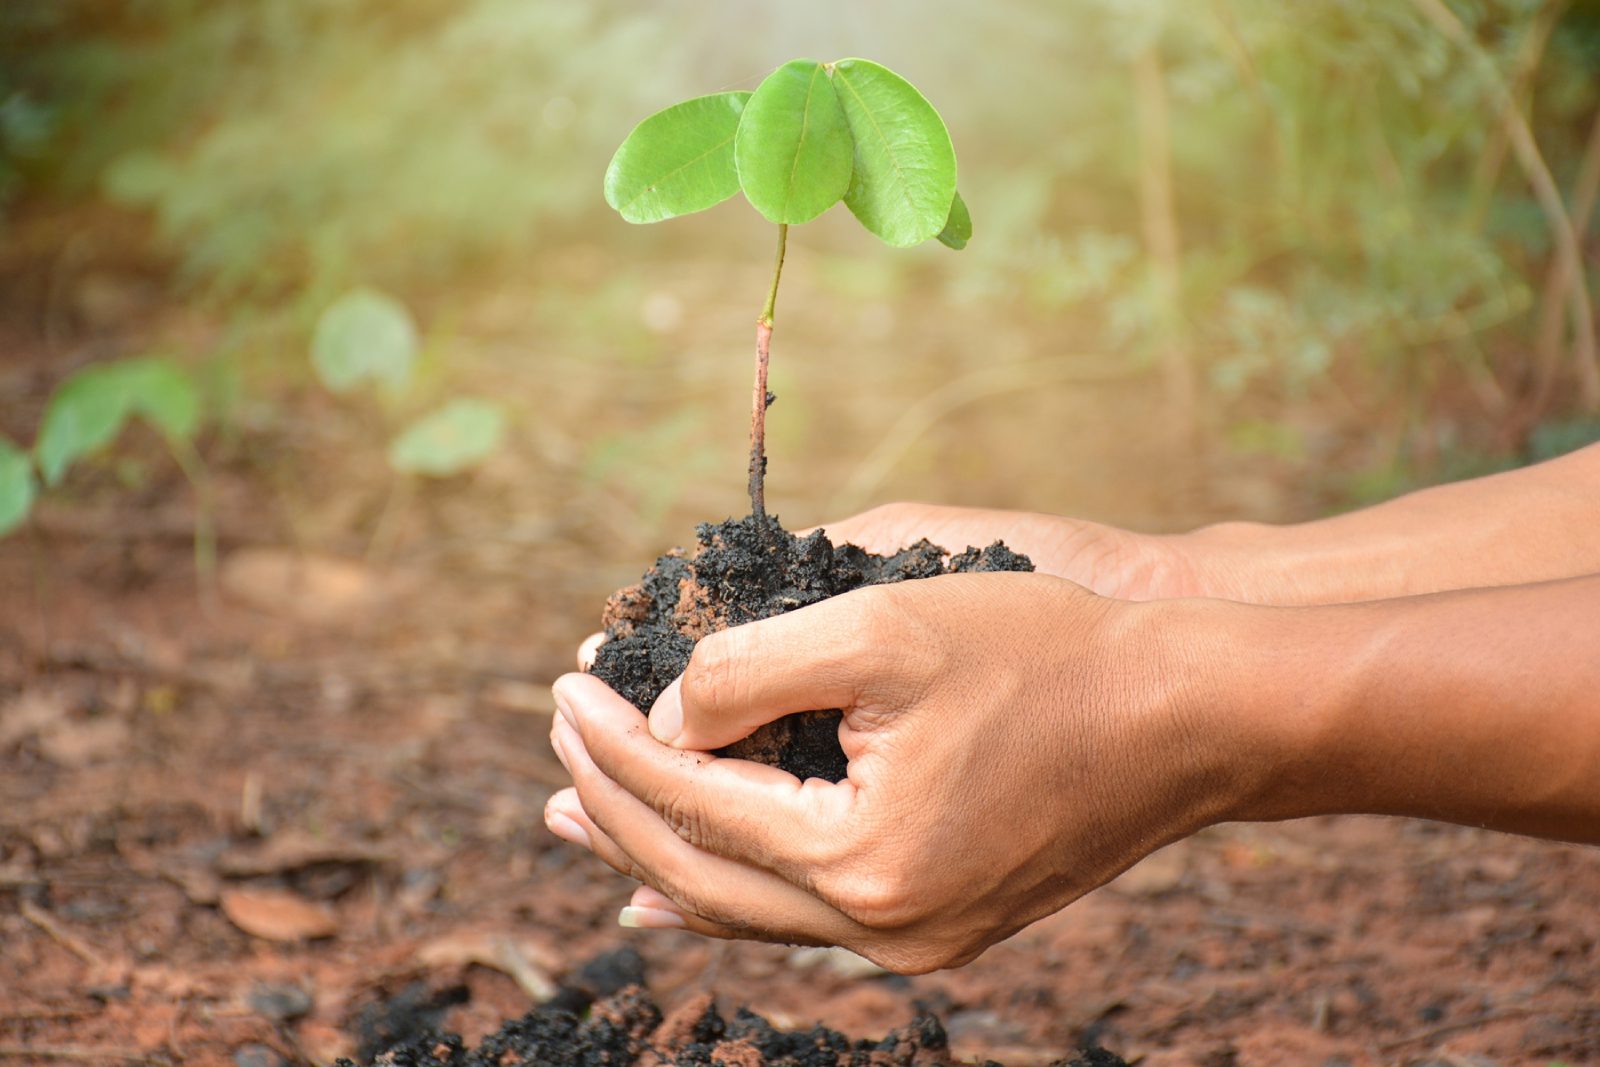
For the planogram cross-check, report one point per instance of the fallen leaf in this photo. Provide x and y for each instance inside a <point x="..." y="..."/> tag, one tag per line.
<point x="277" y="915"/>
<point x="526" y="963"/>
<point x="293" y="851"/>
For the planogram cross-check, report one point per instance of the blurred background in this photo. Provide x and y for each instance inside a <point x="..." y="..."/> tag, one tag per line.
<point x="334" y="401"/>
<point x="1232" y="257"/>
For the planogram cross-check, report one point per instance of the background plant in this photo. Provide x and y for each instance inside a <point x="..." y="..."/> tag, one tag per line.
<point x="1330" y="220"/>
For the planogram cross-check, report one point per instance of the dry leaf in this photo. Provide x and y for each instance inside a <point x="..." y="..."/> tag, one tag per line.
<point x="293" y="851"/>
<point x="277" y="915"/>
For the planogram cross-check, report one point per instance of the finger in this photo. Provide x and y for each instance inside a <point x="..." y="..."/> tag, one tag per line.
<point x="745" y="811"/>
<point x="748" y="902"/>
<point x="587" y="650"/>
<point x="832" y="654"/>
<point x="649" y="909"/>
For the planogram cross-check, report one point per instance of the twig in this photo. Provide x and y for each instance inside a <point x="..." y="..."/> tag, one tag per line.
<point x="1465" y="1024"/>
<point x="529" y="978"/>
<point x="1160" y="220"/>
<point x="1529" y="55"/>
<point x="1545" y="191"/>
<point x="71" y="1052"/>
<point x="64" y="937"/>
<point x="1585" y="191"/>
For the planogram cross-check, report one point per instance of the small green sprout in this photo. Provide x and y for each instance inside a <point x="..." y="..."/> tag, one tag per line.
<point x="812" y="134"/>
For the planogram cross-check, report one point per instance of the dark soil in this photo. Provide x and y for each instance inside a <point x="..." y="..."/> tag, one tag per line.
<point x="627" y="1028"/>
<point x="743" y="570"/>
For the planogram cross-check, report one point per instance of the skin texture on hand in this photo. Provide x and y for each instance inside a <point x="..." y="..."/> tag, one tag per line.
<point x="1004" y="761"/>
<point x="1016" y="740"/>
<point x="1103" y="559"/>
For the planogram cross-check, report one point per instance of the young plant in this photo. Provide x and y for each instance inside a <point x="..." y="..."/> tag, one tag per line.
<point x="367" y="337"/>
<point x="87" y="412"/>
<point x="812" y="134"/>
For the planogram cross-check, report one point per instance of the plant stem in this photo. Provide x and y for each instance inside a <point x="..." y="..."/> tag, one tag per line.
<point x="760" y="398"/>
<point x="205" y="529"/>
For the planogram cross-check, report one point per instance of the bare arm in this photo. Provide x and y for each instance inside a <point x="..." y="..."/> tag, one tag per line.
<point x="1478" y="707"/>
<point x="1528" y="525"/>
<point x="1015" y="742"/>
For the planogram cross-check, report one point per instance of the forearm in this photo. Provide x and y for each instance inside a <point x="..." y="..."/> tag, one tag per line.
<point x="1529" y="525"/>
<point x="1479" y="707"/>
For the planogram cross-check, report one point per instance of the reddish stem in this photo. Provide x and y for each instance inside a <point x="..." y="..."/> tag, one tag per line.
<point x="758" y="424"/>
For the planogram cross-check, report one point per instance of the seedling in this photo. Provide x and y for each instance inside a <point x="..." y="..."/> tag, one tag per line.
<point x="87" y="413"/>
<point x="812" y="134"/>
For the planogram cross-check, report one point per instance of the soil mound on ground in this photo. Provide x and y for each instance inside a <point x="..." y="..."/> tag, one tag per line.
<point x="627" y="1029"/>
<point x="742" y="570"/>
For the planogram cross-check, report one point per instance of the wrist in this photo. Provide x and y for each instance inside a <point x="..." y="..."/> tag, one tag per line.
<point x="1264" y="693"/>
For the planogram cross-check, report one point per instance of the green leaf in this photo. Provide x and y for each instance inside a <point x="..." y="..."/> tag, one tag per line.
<point x="161" y="393"/>
<point x="85" y="413"/>
<point x="905" y="166"/>
<point x="17" y="488"/>
<point x="89" y="409"/>
<point x="365" y="335"/>
<point x="958" y="227"/>
<point x="793" y="150"/>
<point x="677" y="161"/>
<point x="458" y="436"/>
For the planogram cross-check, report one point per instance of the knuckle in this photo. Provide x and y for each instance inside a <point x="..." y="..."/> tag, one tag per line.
<point x="684" y="817"/>
<point x="879" y="901"/>
<point x="712" y="678"/>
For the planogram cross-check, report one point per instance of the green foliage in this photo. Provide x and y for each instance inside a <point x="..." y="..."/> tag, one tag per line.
<point x="17" y="487"/>
<point x="677" y="161"/>
<point x="89" y="410"/>
<point x="810" y="136"/>
<point x="367" y="337"/>
<point x="364" y="336"/>
<point x="958" y="227"/>
<point x="794" y="151"/>
<point x="905" y="174"/>
<point x="455" y="438"/>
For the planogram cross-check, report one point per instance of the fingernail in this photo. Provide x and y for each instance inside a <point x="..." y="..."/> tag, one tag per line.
<point x="564" y="704"/>
<point x="666" y="715"/>
<point x="649" y="919"/>
<point x="567" y="829"/>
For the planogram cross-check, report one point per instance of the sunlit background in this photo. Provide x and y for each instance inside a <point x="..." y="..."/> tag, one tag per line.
<point x="334" y="400"/>
<point x="1304" y="230"/>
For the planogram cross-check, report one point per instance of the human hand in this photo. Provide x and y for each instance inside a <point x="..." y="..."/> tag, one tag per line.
<point x="1103" y="559"/>
<point x="1014" y="742"/>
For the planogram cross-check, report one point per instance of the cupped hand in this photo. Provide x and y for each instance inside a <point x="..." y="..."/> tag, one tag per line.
<point x="1014" y="742"/>
<point x="1103" y="559"/>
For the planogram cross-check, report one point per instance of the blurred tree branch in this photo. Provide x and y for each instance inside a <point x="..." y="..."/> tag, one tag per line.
<point x="1562" y="230"/>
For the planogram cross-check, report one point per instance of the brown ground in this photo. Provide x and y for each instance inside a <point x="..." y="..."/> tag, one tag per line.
<point x="328" y="785"/>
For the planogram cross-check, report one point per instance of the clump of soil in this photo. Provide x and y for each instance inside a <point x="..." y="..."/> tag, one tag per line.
<point x="627" y="1029"/>
<point x="740" y="571"/>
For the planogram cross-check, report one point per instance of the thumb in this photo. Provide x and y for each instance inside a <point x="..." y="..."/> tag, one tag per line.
<point x="742" y="678"/>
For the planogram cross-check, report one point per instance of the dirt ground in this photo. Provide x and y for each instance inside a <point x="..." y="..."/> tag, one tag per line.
<point x="234" y="826"/>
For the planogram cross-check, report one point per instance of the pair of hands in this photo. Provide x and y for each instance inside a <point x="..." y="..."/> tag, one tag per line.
<point x="1015" y="740"/>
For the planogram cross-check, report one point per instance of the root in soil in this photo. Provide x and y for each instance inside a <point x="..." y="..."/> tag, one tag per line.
<point x="748" y="569"/>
